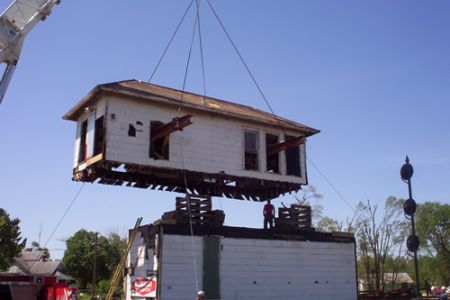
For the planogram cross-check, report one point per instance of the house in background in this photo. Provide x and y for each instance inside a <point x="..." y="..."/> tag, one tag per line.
<point x="32" y="275"/>
<point x="37" y="265"/>
<point x="148" y="136"/>
<point x="391" y="281"/>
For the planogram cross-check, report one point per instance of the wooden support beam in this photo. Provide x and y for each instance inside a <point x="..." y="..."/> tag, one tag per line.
<point x="275" y="148"/>
<point x="178" y="123"/>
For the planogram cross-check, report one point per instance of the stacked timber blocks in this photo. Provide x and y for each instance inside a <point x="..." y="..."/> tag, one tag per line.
<point x="198" y="208"/>
<point x="294" y="217"/>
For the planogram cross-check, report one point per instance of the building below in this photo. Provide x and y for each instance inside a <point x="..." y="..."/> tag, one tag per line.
<point x="167" y="262"/>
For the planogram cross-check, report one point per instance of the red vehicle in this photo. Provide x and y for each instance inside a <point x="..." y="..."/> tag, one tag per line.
<point x="19" y="287"/>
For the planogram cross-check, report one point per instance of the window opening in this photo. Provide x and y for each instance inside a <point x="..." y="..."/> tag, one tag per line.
<point x="99" y="136"/>
<point x="131" y="130"/>
<point x="293" y="159"/>
<point x="159" y="148"/>
<point x="251" y="150"/>
<point x="83" y="134"/>
<point x="272" y="161"/>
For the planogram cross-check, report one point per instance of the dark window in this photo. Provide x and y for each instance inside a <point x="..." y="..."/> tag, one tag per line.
<point x="293" y="159"/>
<point x="131" y="130"/>
<point x="83" y="145"/>
<point x="159" y="148"/>
<point x="251" y="150"/>
<point x="272" y="161"/>
<point x="99" y="136"/>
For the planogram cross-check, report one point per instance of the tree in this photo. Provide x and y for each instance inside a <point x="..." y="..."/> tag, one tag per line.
<point x="35" y="246"/>
<point x="330" y="224"/>
<point x="379" y="239"/>
<point x="78" y="258"/>
<point x="433" y="229"/>
<point x="118" y="246"/>
<point x="310" y="193"/>
<point x="11" y="244"/>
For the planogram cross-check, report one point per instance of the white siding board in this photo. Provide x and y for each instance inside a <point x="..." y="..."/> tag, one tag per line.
<point x="178" y="267"/>
<point x="287" y="270"/>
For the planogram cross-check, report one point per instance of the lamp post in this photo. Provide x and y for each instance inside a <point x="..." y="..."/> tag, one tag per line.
<point x="412" y="243"/>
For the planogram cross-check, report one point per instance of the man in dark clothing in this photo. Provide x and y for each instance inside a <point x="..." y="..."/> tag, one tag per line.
<point x="269" y="214"/>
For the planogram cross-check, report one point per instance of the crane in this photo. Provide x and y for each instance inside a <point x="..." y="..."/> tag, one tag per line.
<point x="15" y="23"/>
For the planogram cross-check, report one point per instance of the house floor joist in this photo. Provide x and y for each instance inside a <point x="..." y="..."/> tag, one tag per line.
<point x="218" y="185"/>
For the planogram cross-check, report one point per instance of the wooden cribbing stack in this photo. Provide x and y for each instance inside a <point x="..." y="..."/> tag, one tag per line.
<point x="199" y="208"/>
<point x="294" y="217"/>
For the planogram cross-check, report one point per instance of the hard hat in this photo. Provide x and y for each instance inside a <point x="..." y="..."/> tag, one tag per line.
<point x="201" y="293"/>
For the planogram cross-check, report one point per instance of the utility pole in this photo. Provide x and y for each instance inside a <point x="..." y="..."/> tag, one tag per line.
<point x="94" y="269"/>
<point x="412" y="243"/>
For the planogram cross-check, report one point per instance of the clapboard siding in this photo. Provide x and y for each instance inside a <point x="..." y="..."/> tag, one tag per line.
<point x="287" y="270"/>
<point x="211" y="144"/>
<point x="178" y="281"/>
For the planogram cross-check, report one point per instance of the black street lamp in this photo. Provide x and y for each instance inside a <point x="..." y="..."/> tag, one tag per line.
<point x="409" y="207"/>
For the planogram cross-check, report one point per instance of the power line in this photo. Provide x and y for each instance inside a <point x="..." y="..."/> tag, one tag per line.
<point x="62" y="218"/>
<point x="65" y="213"/>
<point x="330" y="184"/>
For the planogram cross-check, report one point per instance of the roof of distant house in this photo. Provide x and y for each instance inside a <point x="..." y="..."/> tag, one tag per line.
<point x="147" y="92"/>
<point x="389" y="277"/>
<point x="32" y="263"/>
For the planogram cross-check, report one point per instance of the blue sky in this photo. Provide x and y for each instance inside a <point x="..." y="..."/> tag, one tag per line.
<point x="373" y="76"/>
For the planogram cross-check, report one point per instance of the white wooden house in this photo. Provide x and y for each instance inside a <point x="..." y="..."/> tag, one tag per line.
<point x="150" y="136"/>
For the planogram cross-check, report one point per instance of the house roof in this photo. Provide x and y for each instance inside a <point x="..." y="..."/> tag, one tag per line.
<point x="389" y="277"/>
<point x="148" y="92"/>
<point x="398" y="277"/>
<point x="44" y="267"/>
<point x="31" y="263"/>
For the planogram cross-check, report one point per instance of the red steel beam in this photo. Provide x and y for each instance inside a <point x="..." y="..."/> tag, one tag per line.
<point x="275" y="148"/>
<point x="177" y="123"/>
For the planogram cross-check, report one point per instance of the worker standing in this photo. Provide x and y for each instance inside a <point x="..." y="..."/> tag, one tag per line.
<point x="269" y="214"/>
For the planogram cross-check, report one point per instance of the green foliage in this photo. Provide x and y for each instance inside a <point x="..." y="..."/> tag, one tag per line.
<point x="381" y="238"/>
<point x="36" y="247"/>
<point x="118" y="245"/>
<point x="78" y="258"/>
<point x="11" y="244"/>
<point x="103" y="287"/>
<point x="433" y="229"/>
<point x="328" y="224"/>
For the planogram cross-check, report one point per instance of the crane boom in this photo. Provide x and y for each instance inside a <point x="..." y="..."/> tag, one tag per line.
<point x="15" y="23"/>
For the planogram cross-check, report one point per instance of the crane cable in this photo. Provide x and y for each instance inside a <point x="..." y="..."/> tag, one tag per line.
<point x="188" y="199"/>
<point x="267" y="102"/>
<point x="170" y="41"/>
<point x="240" y="56"/>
